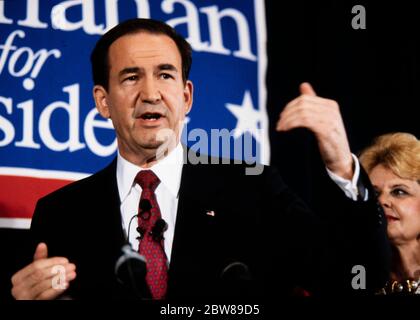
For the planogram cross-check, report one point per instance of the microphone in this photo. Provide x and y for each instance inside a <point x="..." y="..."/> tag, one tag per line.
<point x="144" y="212"/>
<point x="158" y="230"/>
<point x="130" y="270"/>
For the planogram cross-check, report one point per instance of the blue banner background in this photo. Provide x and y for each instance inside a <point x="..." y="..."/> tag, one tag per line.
<point x="47" y="117"/>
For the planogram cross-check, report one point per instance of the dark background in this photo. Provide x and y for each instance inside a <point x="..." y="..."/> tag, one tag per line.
<point x="373" y="74"/>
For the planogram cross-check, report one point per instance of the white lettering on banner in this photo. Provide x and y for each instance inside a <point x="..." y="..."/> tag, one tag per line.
<point x="191" y="19"/>
<point x="3" y="18"/>
<point x="28" y="126"/>
<point x="5" y="125"/>
<point x="59" y="20"/>
<point x="111" y="11"/>
<point x="214" y="17"/>
<point x="26" y="63"/>
<point x="72" y="108"/>
<point x="215" y="27"/>
<point x="32" y="16"/>
<point x="87" y="23"/>
<point x="90" y="124"/>
<point x="73" y="142"/>
<point x="34" y="60"/>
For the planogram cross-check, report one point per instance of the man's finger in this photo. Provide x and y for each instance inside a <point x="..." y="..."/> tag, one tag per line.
<point x="50" y="294"/>
<point x="57" y="281"/>
<point x="30" y="289"/>
<point x="41" y="251"/>
<point x="310" y="120"/>
<point x="306" y="88"/>
<point x="313" y="106"/>
<point x="22" y="274"/>
<point x="307" y="102"/>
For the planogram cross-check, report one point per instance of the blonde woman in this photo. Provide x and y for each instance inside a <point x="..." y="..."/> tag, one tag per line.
<point x="393" y="165"/>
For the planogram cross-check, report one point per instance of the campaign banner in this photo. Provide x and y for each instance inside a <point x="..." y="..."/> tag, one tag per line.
<point x="50" y="131"/>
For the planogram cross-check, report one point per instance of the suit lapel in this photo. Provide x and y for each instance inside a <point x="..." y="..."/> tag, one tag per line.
<point x="110" y="200"/>
<point x="194" y="230"/>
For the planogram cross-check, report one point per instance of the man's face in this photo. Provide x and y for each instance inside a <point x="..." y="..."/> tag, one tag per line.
<point x="146" y="96"/>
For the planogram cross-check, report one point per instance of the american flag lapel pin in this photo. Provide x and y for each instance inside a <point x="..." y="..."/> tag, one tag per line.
<point x="210" y="213"/>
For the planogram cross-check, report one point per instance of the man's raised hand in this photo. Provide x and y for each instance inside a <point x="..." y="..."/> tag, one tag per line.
<point x="322" y="117"/>
<point x="45" y="278"/>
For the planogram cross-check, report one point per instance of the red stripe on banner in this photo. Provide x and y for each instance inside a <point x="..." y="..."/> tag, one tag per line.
<point x="18" y="195"/>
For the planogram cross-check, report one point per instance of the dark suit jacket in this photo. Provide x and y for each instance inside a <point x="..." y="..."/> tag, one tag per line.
<point x="258" y="221"/>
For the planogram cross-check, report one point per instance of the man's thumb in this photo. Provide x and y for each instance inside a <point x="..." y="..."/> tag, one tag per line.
<point x="306" y="88"/>
<point x="41" y="251"/>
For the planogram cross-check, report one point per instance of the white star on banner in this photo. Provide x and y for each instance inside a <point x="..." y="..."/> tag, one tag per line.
<point x="248" y="117"/>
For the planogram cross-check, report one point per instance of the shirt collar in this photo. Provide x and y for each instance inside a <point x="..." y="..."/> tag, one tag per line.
<point x="168" y="170"/>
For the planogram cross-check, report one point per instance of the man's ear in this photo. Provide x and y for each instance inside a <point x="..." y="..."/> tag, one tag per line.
<point x="188" y="96"/>
<point x="100" y="96"/>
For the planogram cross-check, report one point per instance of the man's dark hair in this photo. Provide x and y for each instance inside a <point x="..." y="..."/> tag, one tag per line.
<point x="99" y="56"/>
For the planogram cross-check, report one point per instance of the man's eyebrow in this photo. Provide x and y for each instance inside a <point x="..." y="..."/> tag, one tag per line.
<point x="167" y="66"/>
<point x="129" y="70"/>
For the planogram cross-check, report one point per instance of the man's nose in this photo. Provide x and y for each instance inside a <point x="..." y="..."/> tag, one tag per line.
<point x="150" y="92"/>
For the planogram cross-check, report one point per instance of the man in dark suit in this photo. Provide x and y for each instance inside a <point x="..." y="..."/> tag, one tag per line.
<point x="228" y="234"/>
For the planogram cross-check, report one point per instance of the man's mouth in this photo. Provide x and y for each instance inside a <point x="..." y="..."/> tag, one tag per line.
<point x="151" y="116"/>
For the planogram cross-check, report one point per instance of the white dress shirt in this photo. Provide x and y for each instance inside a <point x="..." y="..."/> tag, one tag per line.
<point x="349" y="186"/>
<point x="169" y="172"/>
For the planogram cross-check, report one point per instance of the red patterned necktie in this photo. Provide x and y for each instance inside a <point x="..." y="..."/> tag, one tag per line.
<point x="150" y="248"/>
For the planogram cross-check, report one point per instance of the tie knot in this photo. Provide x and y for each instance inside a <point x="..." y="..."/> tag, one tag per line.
<point x="147" y="180"/>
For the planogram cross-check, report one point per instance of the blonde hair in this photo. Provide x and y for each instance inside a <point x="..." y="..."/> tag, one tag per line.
<point x="399" y="152"/>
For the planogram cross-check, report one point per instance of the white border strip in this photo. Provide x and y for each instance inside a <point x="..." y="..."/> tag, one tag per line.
<point x="46" y="174"/>
<point x="15" y="223"/>
<point x="261" y="27"/>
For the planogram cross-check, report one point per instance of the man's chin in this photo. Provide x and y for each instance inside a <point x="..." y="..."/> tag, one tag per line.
<point x="151" y="145"/>
<point x="158" y="149"/>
